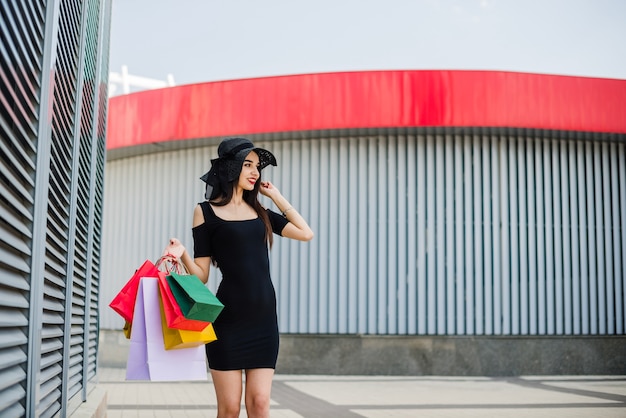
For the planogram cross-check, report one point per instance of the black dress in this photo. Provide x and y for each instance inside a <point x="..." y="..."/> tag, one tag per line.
<point x="247" y="327"/>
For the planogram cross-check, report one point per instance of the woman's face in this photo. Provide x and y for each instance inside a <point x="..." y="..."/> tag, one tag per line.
<point x="249" y="171"/>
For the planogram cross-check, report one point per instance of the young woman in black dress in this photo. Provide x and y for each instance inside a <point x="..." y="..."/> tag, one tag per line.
<point x="234" y="232"/>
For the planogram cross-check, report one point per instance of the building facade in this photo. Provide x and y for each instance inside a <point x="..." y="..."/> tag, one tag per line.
<point x="54" y="70"/>
<point x="445" y="203"/>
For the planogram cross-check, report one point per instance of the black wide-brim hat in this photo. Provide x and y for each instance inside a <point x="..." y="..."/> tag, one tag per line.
<point x="231" y="154"/>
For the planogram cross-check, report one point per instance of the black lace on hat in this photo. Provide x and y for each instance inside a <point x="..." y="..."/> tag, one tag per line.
<point x="227" y="166"/>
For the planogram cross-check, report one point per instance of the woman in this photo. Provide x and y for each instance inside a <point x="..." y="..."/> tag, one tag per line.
<point x="233" y="231"/>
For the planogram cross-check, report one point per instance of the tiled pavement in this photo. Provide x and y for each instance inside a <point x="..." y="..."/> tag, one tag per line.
<point x="382" y="396"/>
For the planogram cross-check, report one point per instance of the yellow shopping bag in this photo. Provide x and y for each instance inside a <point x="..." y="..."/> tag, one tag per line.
<point x="127" y="329"/>
<point x="174" y="338"/>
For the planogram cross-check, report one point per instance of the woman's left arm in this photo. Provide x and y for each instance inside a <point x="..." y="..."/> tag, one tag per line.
<point x="297" y="228"/>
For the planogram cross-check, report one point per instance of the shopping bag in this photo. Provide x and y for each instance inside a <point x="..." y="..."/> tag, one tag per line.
<point x="127" y="329"/>
<point x="173" y="314"/>
<point x="196" y="301"/>
<point x="147" y="357"/>
<point x="179" y="338"/>
<point x="124" y="302"/>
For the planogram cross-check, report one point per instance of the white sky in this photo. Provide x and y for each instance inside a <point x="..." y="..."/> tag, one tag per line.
<point x="209" y="40"/>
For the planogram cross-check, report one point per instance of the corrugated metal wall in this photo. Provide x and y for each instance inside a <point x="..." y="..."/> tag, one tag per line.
<point x="54" y="71"/>
<point x="430" y="232"/>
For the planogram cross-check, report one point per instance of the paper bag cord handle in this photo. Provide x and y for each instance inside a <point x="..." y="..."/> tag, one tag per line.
<point x="168" y="263"/>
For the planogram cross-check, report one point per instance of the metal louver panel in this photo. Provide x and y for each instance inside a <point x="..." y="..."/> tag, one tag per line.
<point x="21" y="56"/>
<point x="60" y="228"/>
<point x="431" y="231"/>
<point x="102" y="22"/>
<point x="81" y="330"/>
<point x="51" y="175"/>
<point x="78" y="278"/>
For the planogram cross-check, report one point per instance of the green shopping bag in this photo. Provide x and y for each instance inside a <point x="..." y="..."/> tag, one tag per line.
<point x="195" y="300"/>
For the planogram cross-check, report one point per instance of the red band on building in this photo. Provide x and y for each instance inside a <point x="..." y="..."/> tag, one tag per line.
<point x="373" y="99"/>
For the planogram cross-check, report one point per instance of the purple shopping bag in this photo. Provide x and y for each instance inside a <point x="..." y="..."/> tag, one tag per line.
<point x="147" y="358"/>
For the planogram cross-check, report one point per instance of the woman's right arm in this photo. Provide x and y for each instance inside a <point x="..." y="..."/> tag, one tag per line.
<point x="199" y="266"/>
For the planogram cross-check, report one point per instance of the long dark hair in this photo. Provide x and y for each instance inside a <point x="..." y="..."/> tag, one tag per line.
<point x="251" y="197"/>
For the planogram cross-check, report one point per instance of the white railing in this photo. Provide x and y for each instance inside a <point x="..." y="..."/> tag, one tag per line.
<point x="131" y="83"/>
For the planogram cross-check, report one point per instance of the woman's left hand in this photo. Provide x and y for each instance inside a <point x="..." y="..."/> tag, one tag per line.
<point x="268" y="189"/>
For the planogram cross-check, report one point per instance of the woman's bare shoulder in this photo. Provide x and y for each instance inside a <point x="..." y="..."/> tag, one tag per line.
<point x="198" y="216"/>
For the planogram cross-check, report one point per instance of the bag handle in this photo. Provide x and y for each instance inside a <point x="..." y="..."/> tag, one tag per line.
<point x="169" y="263"/>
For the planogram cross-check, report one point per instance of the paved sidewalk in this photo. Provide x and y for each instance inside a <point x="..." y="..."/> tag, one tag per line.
<point x="382" y="396"/>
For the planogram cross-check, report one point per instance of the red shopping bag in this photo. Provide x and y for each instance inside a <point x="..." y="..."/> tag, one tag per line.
<point x="124" y="302"/>
<point x="174" y="316"/>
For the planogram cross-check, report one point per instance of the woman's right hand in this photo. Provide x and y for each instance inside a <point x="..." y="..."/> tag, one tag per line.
<point x="174" y="248"/>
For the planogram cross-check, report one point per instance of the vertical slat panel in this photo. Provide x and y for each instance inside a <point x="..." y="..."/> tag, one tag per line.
<point x="515" y="228"/>
<point x="469" y="235"/>
<point x="364" y="239"/>
<point x="567" y="239"/>
<point x="294" y="262"/>
<point x="621" y="156"/>
<point x="342" y="225"/>
<point x="450" y="232"/>
<point x="523" y="235"/>
<point x="558" y="237"/>
<point x="281" y="280"/>
<point x="373" y="237"/>
<point x="431" y="234"/>
<point x="459" y="240"/>
<point x="541" y="196"/>
<point x="532" y="190"/>
<point x="583" y="220"/>
<point x="411" y="235"/>
<point x="439" y="213"/>
<point x="575" y="241"/>
<point x="608" y="237"/>
<point x="391" y="270"/>
<point x="505" y="195"/>
<point x="477" y="226"/>
<point x="488" y="224"/>
<point x="617" y="237"/>
<point x="328" y="238"/>
<point x="352" y="240"/>
<point x="600" y="244"/>
<point x="591" y="228"/>
<point x="621" y="237"/>
<point x="315" y="265"/>
<point x="548" y="174"/>
<point x="277" y="264"/>
<point x="382" y="234"/>
<point x="305" y="207"/>
<point x="421" y="238"/>
<point x="401" y="241"/>
<point x="496" y="229"/>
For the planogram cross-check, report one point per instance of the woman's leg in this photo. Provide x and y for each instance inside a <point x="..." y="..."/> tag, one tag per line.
<point x="228" y="389"/>
<point x="258" y="391"/>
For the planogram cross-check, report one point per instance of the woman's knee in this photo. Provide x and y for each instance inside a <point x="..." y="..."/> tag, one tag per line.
<point x="257" y="404"/>
<point x="228" y="410"/>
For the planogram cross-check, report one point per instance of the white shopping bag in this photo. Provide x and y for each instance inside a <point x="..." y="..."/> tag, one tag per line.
<point x="148" y="359"/>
